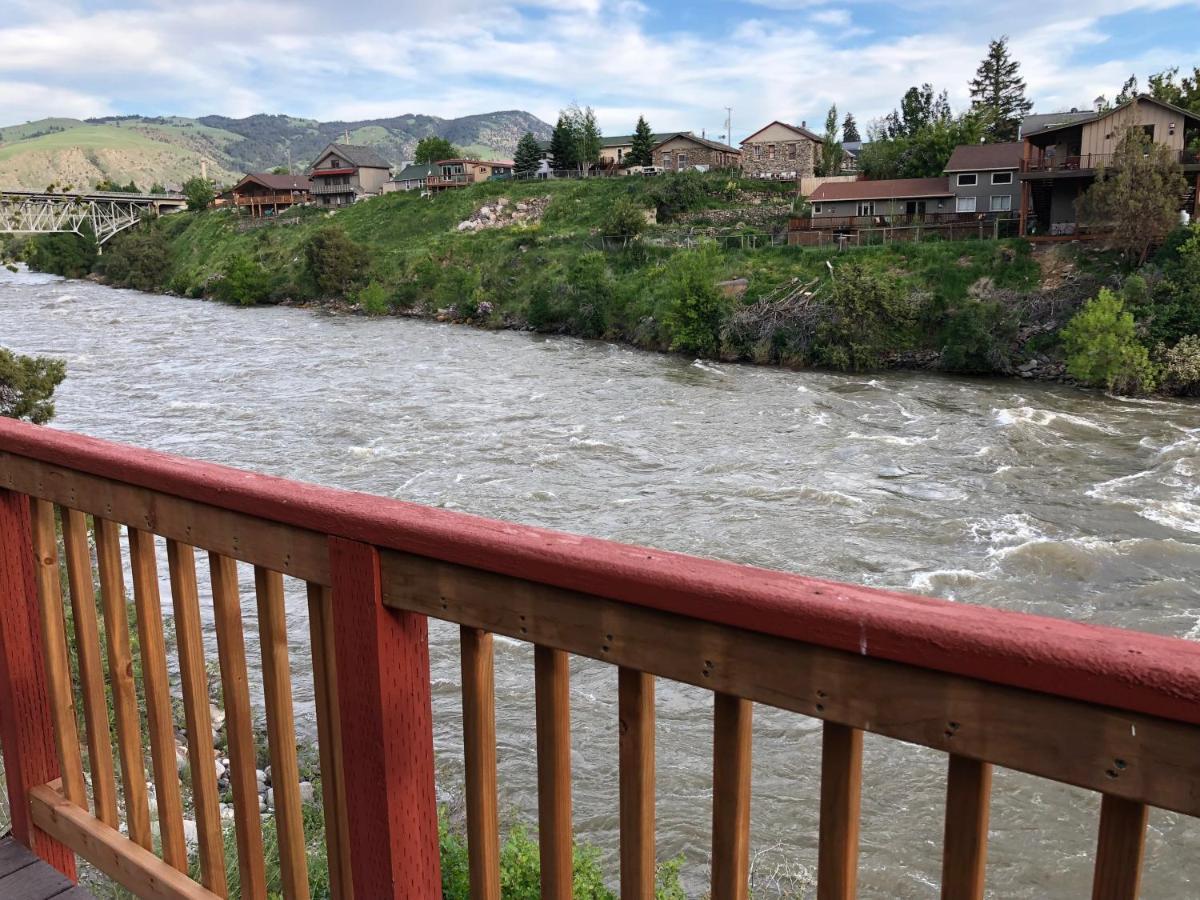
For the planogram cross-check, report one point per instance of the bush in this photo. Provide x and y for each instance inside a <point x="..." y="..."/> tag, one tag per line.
<point x="977" y="338"/>
<point x="1181" y="366"/>
<point x="1174" y="307"/>
<point x="199" y="192"/>
<point x="68" y="255"/>
<point x="136" y="259"/>
<point x="589" y="295"/>
<point x="867" y="315"/>
<point x="244" y="281"/>
<point x="373" y="299"/>
<point x="1102" y="347"/>
<point x="678" y="193"/>
<point x="27" y="385"/>
<point x="625" y="219"/>
<point x="335" y="263"/>
<point x="696" y="311"/>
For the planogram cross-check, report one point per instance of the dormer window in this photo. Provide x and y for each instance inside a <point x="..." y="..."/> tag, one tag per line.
<point x="334" y="162"/>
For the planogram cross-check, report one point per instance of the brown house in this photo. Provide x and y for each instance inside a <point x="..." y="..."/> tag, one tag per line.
<point x="344" y="173"/>
<point x="682" y="152"/>
<point x="780" y="150"/>
<point x="267" y="194"/>
<point x="456" y="173"/>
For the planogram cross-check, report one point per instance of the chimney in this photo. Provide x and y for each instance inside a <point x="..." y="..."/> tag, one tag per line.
<point x="803" y="124"/>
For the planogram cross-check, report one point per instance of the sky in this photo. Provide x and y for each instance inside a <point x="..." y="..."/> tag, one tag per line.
<point x="679" y="64"/>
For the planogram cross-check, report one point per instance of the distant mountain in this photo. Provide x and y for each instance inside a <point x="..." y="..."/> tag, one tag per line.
<point x="170" y="149"/>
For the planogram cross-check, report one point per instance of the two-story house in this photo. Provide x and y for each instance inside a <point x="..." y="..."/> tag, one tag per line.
<point x="780" y="150"/>
<point x="983" y="178"/>
<point x="267" y="193"/>
<point x="1060" y="157"/>
<point x="345" y="173"/>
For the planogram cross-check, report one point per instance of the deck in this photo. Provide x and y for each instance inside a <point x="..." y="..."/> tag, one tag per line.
<point x="25" y="877"/>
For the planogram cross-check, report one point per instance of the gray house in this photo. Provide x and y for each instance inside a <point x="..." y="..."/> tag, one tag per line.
<point x="879" y="200"/>
<point x="983" y="178"/>
<point x="344" y="173"/>
<point x="411" y="178"/>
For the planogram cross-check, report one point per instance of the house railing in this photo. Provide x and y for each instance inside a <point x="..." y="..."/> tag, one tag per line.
<point x="320" y="187"/>
<point x="899" y="220"/>
<point x="1111" y="711"/>
<point x="281" y="198"/>
<point x="459" y="179"/>
<point x="1086" y="162"/>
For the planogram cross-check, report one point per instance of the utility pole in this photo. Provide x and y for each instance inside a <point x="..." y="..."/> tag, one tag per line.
<point x="289" y="159"/>
<point x="729" y="126"/>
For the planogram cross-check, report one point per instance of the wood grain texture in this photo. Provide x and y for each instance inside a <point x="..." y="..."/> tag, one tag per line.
<point x="556" y="844"/>
<point x="193" y="677"/>
<point x="26" y="721"/>
<point x="964" y="848"/>
<point x="281" y="733"/>
<point x="160" y="726"/>
<point x="479" y="756"/>
<point x="329" y="740"/>
<point x="635" y="710"/>
<point x="841" y="799"/>
<point x="1118" y="873"/>
<point x="731" y="797"/>
<point x="120" y="673"/>
<point x="388" y="717"/>
<point x="239" y="727"/>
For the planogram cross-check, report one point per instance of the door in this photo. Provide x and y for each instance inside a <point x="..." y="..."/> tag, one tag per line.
<point x="914" y="209"/>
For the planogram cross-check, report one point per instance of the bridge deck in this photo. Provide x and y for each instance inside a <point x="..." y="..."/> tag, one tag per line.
<point x="25" y="877"/>
<point x="27" y="194"/>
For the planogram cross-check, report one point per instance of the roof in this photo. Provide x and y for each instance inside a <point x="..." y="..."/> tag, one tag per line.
<point x="985" y="157"/>
<point x="363" y="157"/>
<point x="277" y="182"/>
<point x="624" y="140"/>
<point x="803" y="132"/>
<point x="853" y="147"/>
<point x="502" y="163"/>
<point x="1081" y="118"/>
<point x="415" y="172"/>
<point x="703" y="142"/>
<point x="1043" y="121"/>
<point x="891" y="189"/>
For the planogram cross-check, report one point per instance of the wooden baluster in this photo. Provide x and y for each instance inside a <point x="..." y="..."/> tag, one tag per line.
<point x="193" y="674"/>
<point x="383" y="658"/>
<point x="329" y="738"/>
<point x="841" y="794"/>
<point x="964" y="847"/>
<point x="552" y="675"/>
<point x="635" y="702"/>
<point x="479" y="753"/>
<point x="731" y="797"/>
<point x="281" y="733"/>
<point x="91" y="671"/>
<point x="159" y="721"/>
<point x="26" y="719"/>
<point x="120" y="673"/>
<point x="1118" y="873"/>
<point x="239" y="727"/>
<point x="54" y="640"/>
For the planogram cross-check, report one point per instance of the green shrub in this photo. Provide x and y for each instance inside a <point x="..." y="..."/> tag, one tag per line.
<point x="589" y="295"/>
<point x="336" y="264"/>
<point x="1181" y="366"/>
<point x="677" y="193"/>
<point x="625" y="219"/>
<point x="373" y="299"/>
<point x="867" y="314"/>
<point x="977" y="338"/>
<point x="1174" y="307"/>
<point x="695" y="310"/>
<point x="27" y="385"/>
<point x="244" y="281"/>
<point x="1102" y="347"/>
<point x="69" y="255"/>
<point x="199" y="192"/>
<point x="136" y="259"/>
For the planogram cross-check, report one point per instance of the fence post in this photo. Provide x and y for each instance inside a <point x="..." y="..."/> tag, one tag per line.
<point x="26" y="727"/>
<point x="386" y="715"/>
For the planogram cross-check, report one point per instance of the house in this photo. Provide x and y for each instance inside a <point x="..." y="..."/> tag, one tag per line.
<point x="1060" y="157"/>
<point x="410" y="178"/>
<point x="780" y="150"/>
<point x="456" y="173"/>
<point x="682" y="152"/>
<point x="879" y="202"/>
<point x="983" y="178"/>
<point x="850" y="152"/>
<point x="614" y="151"/>
<point x="344" y="173"/>
<point x="266" y="194"/>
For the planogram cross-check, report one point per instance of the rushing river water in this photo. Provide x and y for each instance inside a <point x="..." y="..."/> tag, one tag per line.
<point x="1019" y="495"/>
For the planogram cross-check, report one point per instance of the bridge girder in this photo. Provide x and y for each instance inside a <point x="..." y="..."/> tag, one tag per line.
<point x="66" y="214"/>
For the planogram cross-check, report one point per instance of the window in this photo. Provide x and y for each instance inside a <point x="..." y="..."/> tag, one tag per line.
<point x="968" y="179"/>
<point x="816" y="209"/>
<point x="965" y="204"/>
<point x="334" y="162"/>
<point x="770" y="151"/>
<point x="791" y="151"/>
<point x="758" y="151"/>
<point x="866" y="208"/>
<point x="682" y="160"/>
<point x="1002" y="178"/>
<point x="1001" y="203"/>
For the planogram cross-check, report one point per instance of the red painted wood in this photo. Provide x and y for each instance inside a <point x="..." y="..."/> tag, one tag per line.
<point x="26" y="727"/>
<point x="1129" y="670"/>
<point x="387" y="727"/>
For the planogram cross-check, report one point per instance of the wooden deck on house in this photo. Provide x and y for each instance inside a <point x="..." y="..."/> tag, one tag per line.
<point x="25" y="877"/>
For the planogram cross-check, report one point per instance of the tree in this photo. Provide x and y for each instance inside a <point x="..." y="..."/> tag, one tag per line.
<point x="336" y="263"/>
<point x="850" y="129"/>
<point x="69" y="255"/>
<point x="199" y="192"/>
<point x="919" y="108"/>
<point x="1102" y="347"/>
<point x="1137" y="194"/>
<point x="922" y="154"/>
<point x="433" y="148"/>
<point x="998" y="93"/>
<point x="831" y="147"/>
<point x="587" y="136"/>
<point x="27" y="385"/>
<point x="528" y="156"/>
<point x="1129" y="90"/>
<point x="1184" y="94"/>
<point x="563" y="150"/>
<point x="642" y="151"/>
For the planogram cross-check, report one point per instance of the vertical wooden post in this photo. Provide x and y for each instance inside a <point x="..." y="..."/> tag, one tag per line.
<point x="1118" y="873"/>
<point x="26" y="724"/>
<point x="731" y="797"/>
<point x="964" y="847"/>
<point x="553" y="712"/>
<point x="841" y="794"/>
<point x="387" y="721"/>
<point x="479" y="755"/>
<point x="636" y="711"/>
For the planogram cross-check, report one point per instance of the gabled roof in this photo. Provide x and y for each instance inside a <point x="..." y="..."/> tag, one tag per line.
<point x="703" y="142"/>
<point x="985" y="157"/>
<point x="891" y="189"/>
<point x="803" y="132"/>
<point x="500" y="163"/>
<point x="415" y="172"/>
<point x="1043" y="121"/>
<point x="362" y="157"/>
<point x="1105" y="113"/>
<point x="274" y="182"/>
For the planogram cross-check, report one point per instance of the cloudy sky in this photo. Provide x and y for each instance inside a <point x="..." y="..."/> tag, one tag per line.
<point x="680" y="63"/>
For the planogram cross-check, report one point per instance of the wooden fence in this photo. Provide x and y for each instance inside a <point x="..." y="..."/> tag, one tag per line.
<point x="1112" y="711"/>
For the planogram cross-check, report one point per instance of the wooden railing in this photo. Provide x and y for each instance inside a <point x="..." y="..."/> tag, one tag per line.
<point x="1112" y="711"/>
<point x="457" y="179"/>
<point x="1086" y="162"/>
<point x="895" y="220"/>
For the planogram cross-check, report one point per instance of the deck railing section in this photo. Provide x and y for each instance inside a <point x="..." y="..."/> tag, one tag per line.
<point x="1111" y="711"/>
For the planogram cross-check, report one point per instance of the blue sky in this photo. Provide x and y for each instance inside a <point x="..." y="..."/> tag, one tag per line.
<point x="679" y="63"/>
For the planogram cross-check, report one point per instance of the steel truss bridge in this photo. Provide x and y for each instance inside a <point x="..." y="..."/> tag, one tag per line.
<point x="107" y="213"/>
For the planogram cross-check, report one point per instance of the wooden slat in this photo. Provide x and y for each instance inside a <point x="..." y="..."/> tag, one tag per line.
<point x="111" y="852"/>
<point x="91" y="670"/>
<point x="329" y="738"/>
<point x="841" y="795"/>
<point x="1065" y="740"/>
<point x="239" y="727"/>
<point x="635" y="709"/>
<point x="193" y="675"/>
<point x="159" y="721"/>
<point x="1118" y="873"/>
<point x="964" y="848"/>
<point x="731" y="797"/>
<point x="281" y="733"/>
<point x="120" y="673"/>
<point x="479" y="753"/>
<point x="555" y="838"/>
<point x="54" y="639"/>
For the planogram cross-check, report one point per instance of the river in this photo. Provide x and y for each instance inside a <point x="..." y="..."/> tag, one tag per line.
<point x="1020" y="495"/>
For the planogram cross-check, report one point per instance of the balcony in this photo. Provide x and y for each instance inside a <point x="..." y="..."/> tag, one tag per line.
<point x="860" y="223"/>
<point x="278" y="199"/>
<point x="1088" y="162"/>
<point x="321" y="188"/>
<point x="456" y="180"/>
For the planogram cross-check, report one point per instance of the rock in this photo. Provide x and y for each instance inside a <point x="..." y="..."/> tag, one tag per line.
<point x="521" y="207"/>
<point x="734" y="287"/>
<point x="269" y="799"/>
<point x="1027" y="366"/>
<point x="485" y="211"/>
<point x="217" y="715"/>
<point x="261" y="777"/>
<point x="226" y="811"/>
<point x="502" y="202"/>
<point x="466" y="225"/>
<point x="191" y="834"/>
<point x="267" y="771"/>
<point x="221" y="770"/>
<point x="307" y="792"/>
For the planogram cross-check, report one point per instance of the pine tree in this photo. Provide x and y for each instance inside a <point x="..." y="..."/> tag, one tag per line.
<point x="850" y="129"/>
<point x="998" y="91"/>
<point x="831" y="148"/>
<point x="641" y="153"/>
<point x="528" y="156"/>
<point x="562" y="144"/>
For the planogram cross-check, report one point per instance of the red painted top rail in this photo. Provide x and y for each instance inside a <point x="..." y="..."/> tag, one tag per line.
<point x="1129" y="670"/>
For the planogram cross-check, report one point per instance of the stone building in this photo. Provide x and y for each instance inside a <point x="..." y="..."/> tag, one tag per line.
<point x="682" y="152"/>
<point x="780" y="150"/>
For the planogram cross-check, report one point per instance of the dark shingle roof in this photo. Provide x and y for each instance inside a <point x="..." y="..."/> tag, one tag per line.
<point x="1054" y="121"/>
<point x="363" y="157"/>
<point x="415" y="172"/>
<point x="985" y="157"/>
<point x="703" y="142"/>
<point x="890" y="189"/>
<point x="278" y="182"/>
<point x="1041" y="121"/>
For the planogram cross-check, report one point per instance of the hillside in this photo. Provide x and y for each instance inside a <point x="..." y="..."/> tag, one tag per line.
<point x="170" y="149"/>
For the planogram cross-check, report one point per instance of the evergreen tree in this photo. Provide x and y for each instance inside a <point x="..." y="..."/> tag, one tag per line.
<point x="998" y="92"/>
<point x="850" y="129"/>
<point x="528" y="156"/>
<point x="640" y="154"/>
<point x="562" y="144"/>
<point x="831" y="147"/>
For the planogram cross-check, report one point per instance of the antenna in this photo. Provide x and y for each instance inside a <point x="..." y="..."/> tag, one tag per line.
<point x="729" y="126"/>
